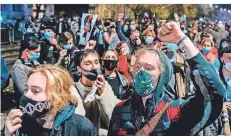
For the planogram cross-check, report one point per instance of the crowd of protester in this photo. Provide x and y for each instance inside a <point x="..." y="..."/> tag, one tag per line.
<point x="132" y="77"/>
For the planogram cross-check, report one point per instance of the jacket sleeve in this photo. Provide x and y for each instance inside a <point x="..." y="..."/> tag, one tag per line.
<point x="201" y="110"/>
<point x="4" y="74"/>
<point x="119" y="31"/>
<point x="80" y="108"/>
<point x="108" y="100"/>
<point x="20" y="78"/>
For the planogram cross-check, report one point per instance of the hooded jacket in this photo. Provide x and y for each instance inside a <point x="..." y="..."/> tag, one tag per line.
<point x="192" y="114"/>
<point x="66" y="123"/>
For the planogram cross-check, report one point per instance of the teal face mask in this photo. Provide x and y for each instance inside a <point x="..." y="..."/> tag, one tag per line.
<point x="143" y="83"/>
<point x="35" y="56"/>
<point x="67" y="47"/>
<point x="125" y="29"/>
<point x="149" y="40"/>
<point x="223" y="45"/>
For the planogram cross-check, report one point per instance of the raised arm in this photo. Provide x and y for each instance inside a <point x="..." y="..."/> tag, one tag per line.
<point x="201" y="110"/>
<point x="119" y="28"/>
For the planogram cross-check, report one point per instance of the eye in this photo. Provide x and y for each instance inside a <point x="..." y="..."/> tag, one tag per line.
<point x="35" y="91"/>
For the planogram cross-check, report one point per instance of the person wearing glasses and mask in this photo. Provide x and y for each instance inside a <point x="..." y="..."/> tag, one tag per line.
<point x="97" y="95"/>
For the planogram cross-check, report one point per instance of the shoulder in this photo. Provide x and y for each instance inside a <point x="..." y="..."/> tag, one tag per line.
<point x="82" y="122"/>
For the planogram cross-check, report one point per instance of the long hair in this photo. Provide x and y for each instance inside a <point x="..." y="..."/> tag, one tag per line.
<point x="58" y="87"/>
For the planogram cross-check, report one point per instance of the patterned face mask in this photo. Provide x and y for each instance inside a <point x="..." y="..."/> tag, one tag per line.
<point x="33" y="109"/>
<point x="143" y="83"/>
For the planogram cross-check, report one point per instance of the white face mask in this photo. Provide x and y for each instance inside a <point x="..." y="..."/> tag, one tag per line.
<point x="227" y="66"/>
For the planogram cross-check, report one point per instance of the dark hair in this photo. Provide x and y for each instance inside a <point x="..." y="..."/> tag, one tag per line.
<point x="222" y="40"/>
<point x="30" y="43"/>
<point x="79" y="55"/>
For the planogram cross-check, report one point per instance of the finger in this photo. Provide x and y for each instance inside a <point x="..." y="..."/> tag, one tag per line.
<point x="101" y="78"/>
<point x="168" y="26"/>
<point x="165" y="31"/>
<point x="14" y="113"/>
<point x="16" y="121"/>
<point x="100" y="83"/>
<point x="14" y="128"/>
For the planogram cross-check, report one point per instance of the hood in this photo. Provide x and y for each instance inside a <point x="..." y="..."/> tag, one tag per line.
<point x="62" y="116"/>
<point x="164" y="79"/>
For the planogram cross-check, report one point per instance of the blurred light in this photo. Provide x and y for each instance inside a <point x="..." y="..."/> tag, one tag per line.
<point x="216" y="6"/>
<point x="224" y="9"/>
<point x="221" y="9"/>
<point x="211" y="5"/>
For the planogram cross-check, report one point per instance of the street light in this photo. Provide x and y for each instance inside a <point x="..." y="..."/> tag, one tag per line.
<point x="216" y="6"/>
<point x="224" y="9"/>
<point x="221" y="9"/>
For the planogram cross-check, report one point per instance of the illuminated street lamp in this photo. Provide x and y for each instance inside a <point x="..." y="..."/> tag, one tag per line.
<point x="224" y="9"/>
<point x="216" y="6"/>
<point x="221" y="9"/>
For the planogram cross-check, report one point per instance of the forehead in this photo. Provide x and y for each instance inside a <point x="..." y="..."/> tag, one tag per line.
<point x="207" y="43"/>
<point x="110" y="53"/>
<point x="37" y="79"/>
<point x="90" y="57"/>
<point x="148" y="58"/>
<point x="227" y="55"/>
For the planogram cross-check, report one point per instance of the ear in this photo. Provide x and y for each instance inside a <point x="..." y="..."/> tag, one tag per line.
<point x="79" y="69"/>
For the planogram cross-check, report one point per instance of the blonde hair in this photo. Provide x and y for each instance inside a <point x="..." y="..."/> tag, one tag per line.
<point x="58" y="87"/>
<point x="146" y="32"/>
<point x="207" y="40"/>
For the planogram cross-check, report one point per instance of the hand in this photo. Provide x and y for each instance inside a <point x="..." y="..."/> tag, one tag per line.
<point x="53" y="41"/>
<point x="120" y="17"/>
<point x="92" y="43"/>
<point x="100" y="83"/>
<point x="138" y="41"/>
<point x="62" y="54"/>
<point x="170" y="33"/>
<point x="228" y="105"/>
<point x="176" y="17"/>
<point x="13" y="122"/>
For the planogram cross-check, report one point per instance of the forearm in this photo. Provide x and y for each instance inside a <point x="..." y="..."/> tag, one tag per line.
<point x="119" y="31"/>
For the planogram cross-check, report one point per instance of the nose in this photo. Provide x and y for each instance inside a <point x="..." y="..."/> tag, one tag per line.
<point x="29" y="94"/>
<point x="95" y="66"/>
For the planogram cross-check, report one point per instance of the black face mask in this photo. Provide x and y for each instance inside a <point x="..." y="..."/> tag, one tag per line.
<point x="110" y="64"/>
<point x="33" y="109"/>
<point x="92" y="74"/>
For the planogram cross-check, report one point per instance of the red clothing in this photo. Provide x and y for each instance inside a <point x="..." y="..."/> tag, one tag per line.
<point x="123" y="67"/>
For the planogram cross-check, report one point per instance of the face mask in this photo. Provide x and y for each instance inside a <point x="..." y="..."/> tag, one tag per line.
<point x="110" y="64"/>
<point x="67" y="47"/>
<point x="125" y="29"/>
<point x="35" y="56"/>
<point x="149" y="40"/>
<point x="227" y="66"/>
<point x="92" y="74"/>
<point x="223" y="45"/>
<point x="206" y="50"/>
<point x="33" y="109"/>
<point x="143" y="83"/>
<point x="132" y="27"/>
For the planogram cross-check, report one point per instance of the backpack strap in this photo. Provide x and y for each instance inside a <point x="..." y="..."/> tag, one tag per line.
<point x="150" y="126"/>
